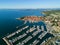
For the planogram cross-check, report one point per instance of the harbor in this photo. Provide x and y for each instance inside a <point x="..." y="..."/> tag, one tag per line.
<point x="28" y="35"/>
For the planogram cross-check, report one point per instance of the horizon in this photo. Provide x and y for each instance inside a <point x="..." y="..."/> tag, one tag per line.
<point x="29" y="8"/>
<point x="29" y="4"/>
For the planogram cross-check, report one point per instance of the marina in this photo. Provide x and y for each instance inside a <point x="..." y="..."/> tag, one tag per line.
<point x="29" y="26"/>
<point x="29" y="35"/>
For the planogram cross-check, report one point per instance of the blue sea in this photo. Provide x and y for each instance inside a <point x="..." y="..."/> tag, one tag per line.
<point x="8" y="22"/>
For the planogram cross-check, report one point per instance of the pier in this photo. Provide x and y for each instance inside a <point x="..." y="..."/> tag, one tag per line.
<point x="25" y="35"/>
<point x="7" y="42"/>
<point x="35" y="42"/>
<point x="42" y="35"/>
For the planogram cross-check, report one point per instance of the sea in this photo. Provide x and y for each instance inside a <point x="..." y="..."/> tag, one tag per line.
<point x="8" y="21"/>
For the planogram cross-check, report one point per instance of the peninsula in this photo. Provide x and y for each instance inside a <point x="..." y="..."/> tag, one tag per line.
<point x="31" y="18"/>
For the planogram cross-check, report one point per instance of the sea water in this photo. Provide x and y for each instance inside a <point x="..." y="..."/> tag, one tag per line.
<point x="8" y="22"/>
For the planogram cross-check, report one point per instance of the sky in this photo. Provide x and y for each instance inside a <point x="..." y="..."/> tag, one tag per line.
<point x="27" y="4"/>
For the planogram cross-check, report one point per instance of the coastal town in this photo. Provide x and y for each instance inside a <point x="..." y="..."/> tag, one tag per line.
<point x="33" y="33"/>
<point x="31" y="18"/>
<point x="52" y="18"/>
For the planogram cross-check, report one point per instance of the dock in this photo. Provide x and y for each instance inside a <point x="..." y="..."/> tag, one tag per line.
<point x="28" y="33"/>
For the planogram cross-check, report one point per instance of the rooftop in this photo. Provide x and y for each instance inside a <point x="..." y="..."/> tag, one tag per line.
<point x="31" y="18"/>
